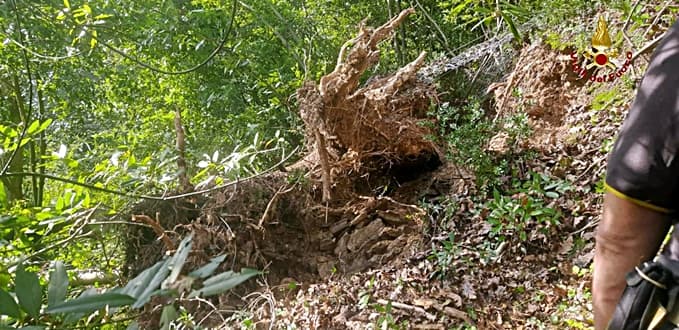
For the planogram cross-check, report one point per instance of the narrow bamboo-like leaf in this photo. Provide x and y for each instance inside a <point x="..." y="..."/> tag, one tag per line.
<point x="225" y="284"/>
<point x="209" y="268"/>
<point x="8" y="306"/>
<point x="45" y="124"/>
<point x="153" y="285"/>
<point x="58" y="285"/>
<point x="28" y="291"/>
<point x="33" y="127"/>
<point x="137" y="285"/>
<point x="74" y="317"/>
<point x="219" y="278"/>
<point x="91" y="303"/>
<point x="177" y="261"/>
<point x="33" y="327"/>
<point x="512" y="27"/>
<point x="168" y="315"/>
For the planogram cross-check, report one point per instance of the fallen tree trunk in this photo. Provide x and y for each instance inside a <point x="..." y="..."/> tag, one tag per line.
<point x="375" y="127"/>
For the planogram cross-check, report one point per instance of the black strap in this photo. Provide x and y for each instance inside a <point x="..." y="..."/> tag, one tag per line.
<point x="642" y="296"/>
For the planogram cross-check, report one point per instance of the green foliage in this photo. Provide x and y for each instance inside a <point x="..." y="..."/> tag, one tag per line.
<point x="445" y="256"/>
<point x="8" y="305"/>
<point x="28" y="291"/>
<point x="522" y="209"/>
<point x="510" y="216"/>
<point x="467" y="130"/>
<point x="161" y="279"/>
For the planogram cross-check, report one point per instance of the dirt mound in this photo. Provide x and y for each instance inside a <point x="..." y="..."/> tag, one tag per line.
<point x="542" y="85"/>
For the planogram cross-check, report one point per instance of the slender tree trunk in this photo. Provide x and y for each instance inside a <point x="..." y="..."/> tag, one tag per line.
<point x="13" y="185"/>
<point x="395" y="42"/>
<point x="402" y="39"/>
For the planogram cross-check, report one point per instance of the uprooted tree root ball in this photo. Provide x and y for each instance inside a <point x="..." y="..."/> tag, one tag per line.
<point x="346" y="206"/>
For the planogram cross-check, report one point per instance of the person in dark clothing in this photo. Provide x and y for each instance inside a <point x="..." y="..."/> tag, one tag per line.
<point x="642" y="181"/>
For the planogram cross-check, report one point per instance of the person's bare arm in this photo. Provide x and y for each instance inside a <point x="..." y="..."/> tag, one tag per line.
<point x="627" y="235"/>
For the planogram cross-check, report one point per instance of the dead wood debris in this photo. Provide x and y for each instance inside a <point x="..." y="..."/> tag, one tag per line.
<point x="348" y="126"/>
<point x="157" y="228"/>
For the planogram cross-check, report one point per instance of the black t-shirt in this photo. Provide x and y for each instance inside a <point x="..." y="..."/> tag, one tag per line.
<point x="642" y="166"/>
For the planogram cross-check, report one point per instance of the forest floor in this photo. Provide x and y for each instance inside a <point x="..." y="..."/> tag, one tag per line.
<point x="471" y="271"/>
<point x="478" y="266"/>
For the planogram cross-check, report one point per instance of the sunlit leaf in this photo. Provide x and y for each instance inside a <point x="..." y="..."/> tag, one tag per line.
<point x="33" y="127"/>
<point x="552" y="194"/>
<point x="203" y="164"/>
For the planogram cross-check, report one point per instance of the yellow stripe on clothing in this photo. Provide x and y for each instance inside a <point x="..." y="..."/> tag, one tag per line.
<point x="636" y="201"/>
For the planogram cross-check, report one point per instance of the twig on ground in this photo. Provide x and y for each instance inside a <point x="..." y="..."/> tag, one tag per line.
<point x="657" y="17"/>
<point x="267" y="297"/>
<point x="591" y="166"/>
<point x="647" y="46"/>
<point x="410" y="308"/>
<point x="589" y="225"/>
<point x="214" y="310"/>
<point x="272" y="202"/>
<point x="624" y="32"/>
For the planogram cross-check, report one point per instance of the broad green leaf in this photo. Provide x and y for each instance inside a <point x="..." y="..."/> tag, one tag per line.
<point x="537" y="212"/>
<point x="168" y="315"/>
<point x="34" y="327"/>
<point x="28" y="291"/>
<point x="209" y="268"/>
<point x="57" y="288"/>
<point x="90" y="304"/>
<point x="224" y="282"/>
<point x="178" y="259"/>
<point x="8" y="306"/>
